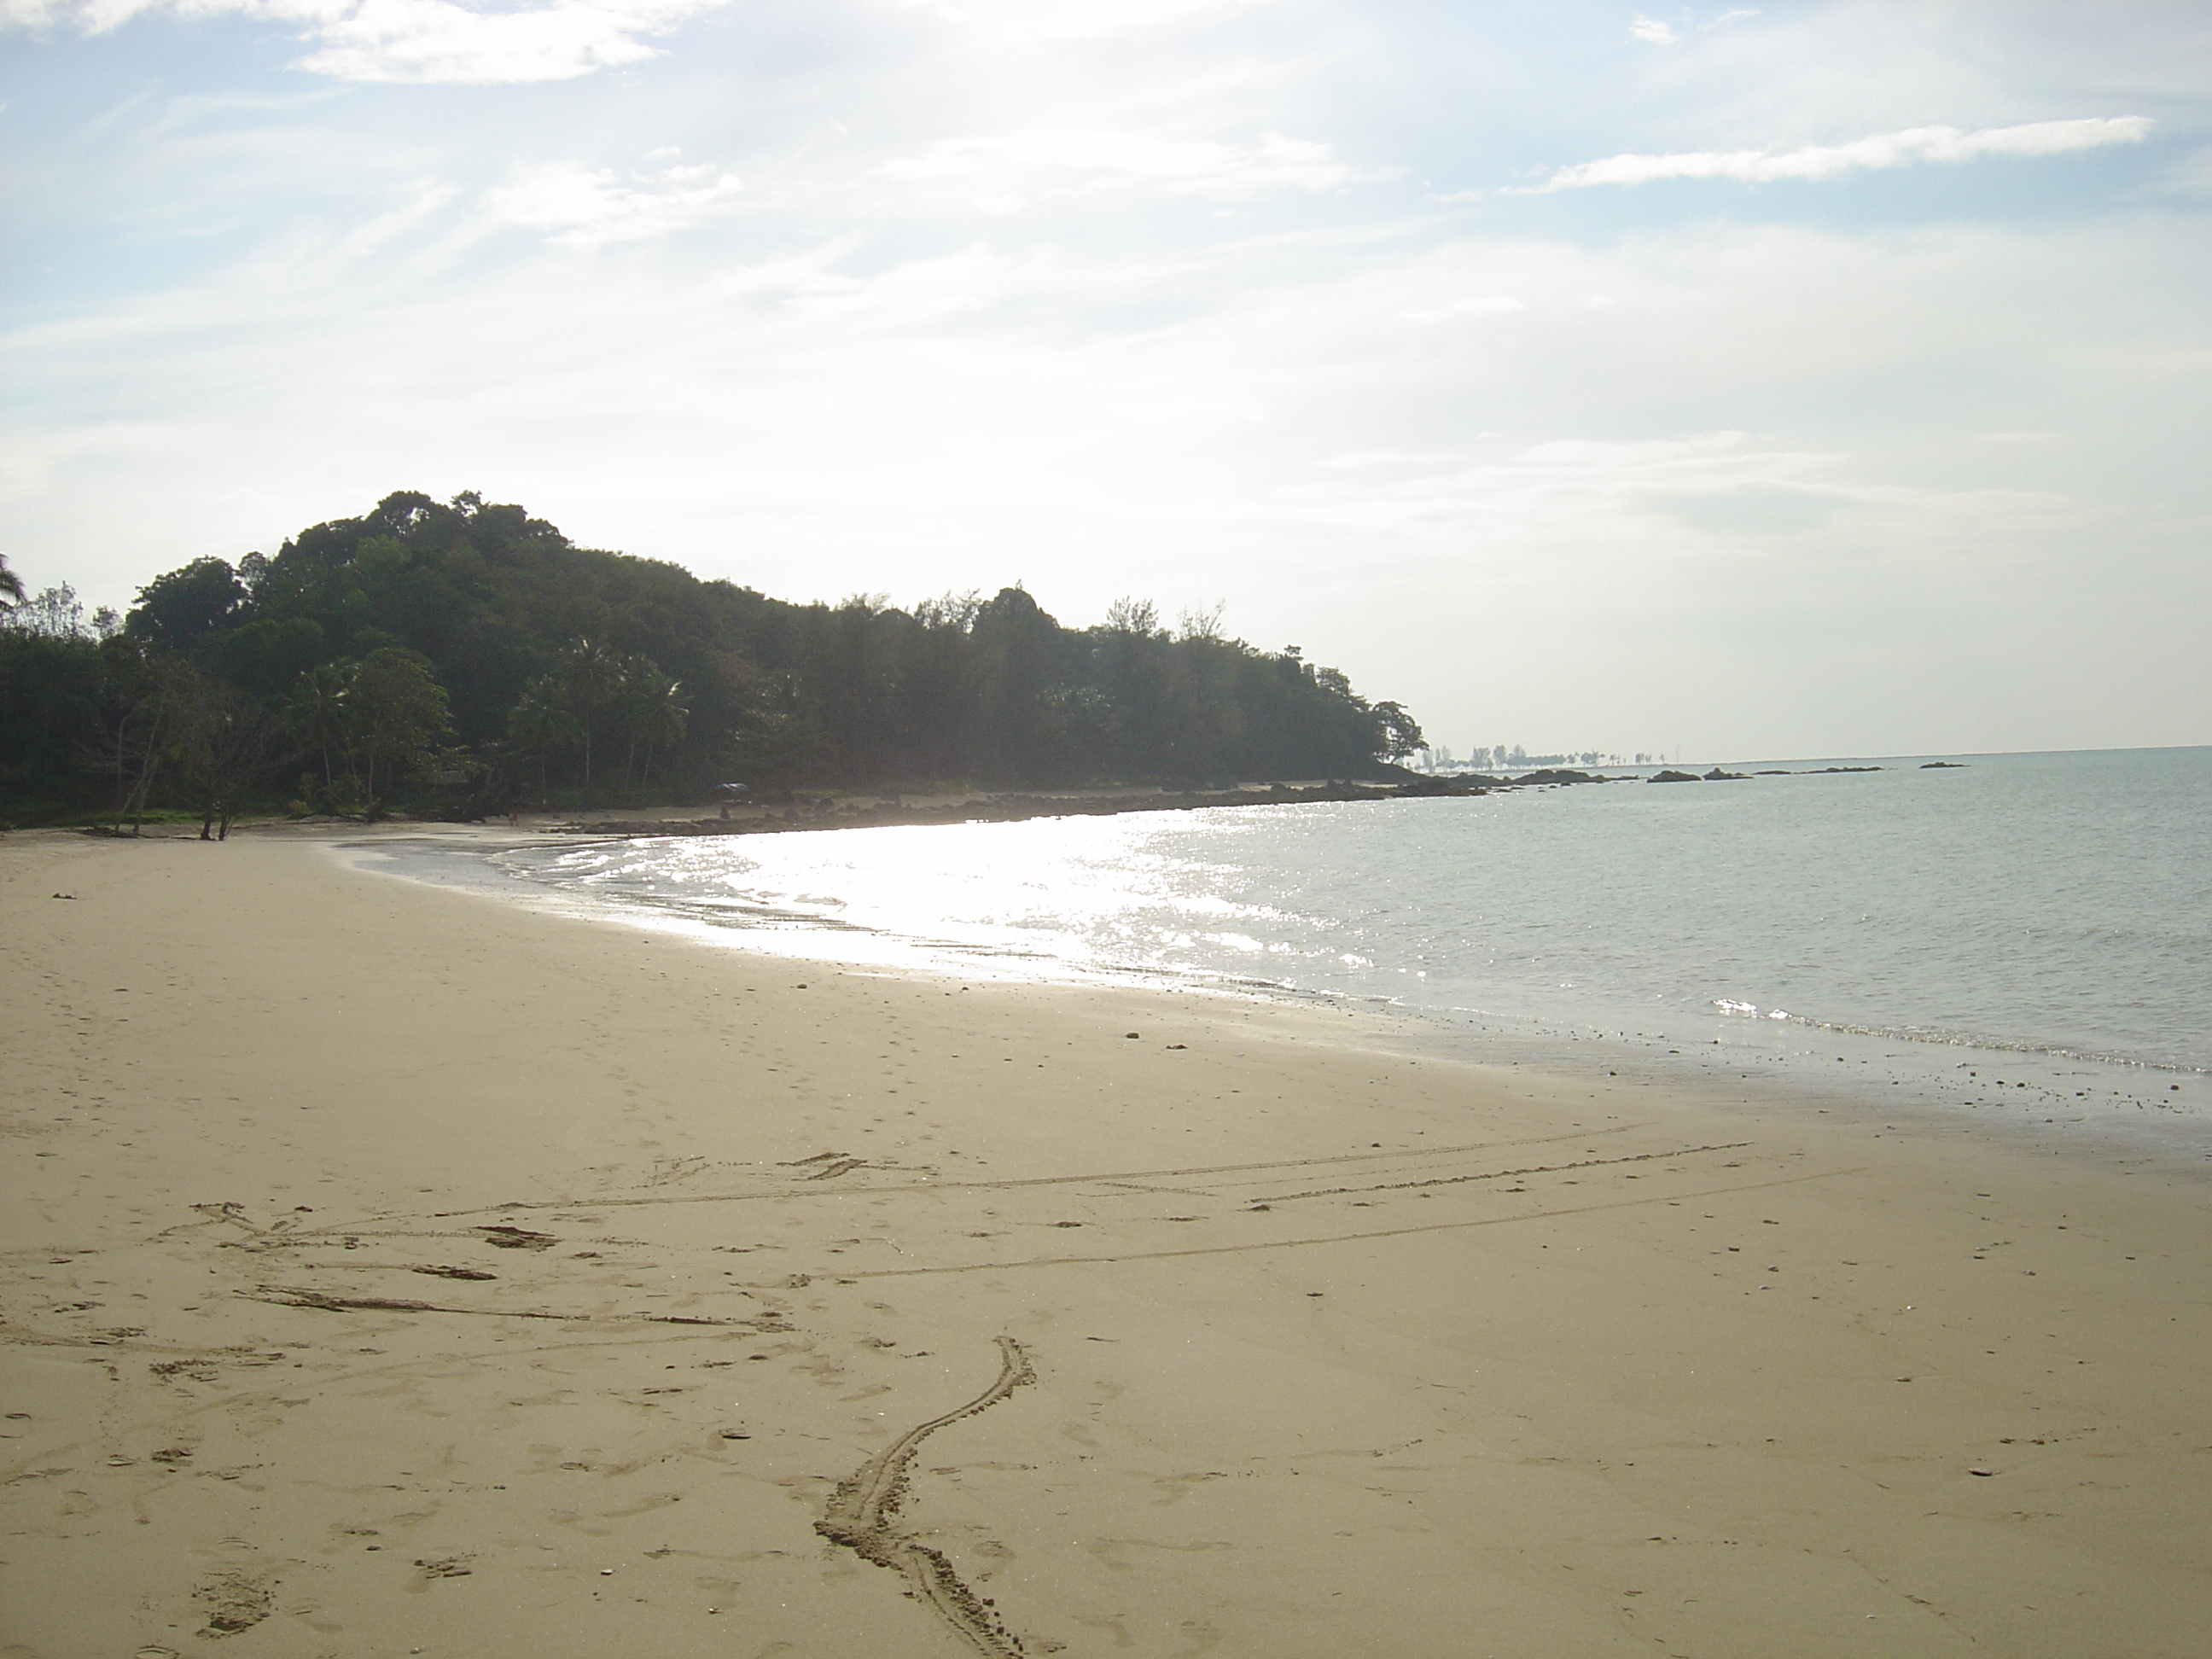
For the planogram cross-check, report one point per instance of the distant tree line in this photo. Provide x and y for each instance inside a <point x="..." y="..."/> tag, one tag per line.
<point x="1438" y="757"/>
<point x="468" y="657"/>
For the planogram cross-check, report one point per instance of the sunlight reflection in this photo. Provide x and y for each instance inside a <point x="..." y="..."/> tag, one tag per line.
<point x="1136" y="891"/>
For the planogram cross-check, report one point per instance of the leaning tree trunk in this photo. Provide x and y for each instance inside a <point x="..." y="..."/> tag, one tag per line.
<point x="144" y="785"/>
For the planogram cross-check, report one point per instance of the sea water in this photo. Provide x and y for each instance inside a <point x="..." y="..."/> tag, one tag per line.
<point x="2027" y="936"/>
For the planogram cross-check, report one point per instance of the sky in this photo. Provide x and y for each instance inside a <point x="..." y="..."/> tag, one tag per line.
<point x="1799" y="379"/>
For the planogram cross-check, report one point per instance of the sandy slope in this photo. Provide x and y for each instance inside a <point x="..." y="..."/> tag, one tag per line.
<point x="387" y="1270"/>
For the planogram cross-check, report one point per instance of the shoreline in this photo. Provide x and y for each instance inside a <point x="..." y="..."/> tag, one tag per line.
<point x="389" y="1270"/>
<point x="866" y="809"/>
<point x="2139" y="1109"/>
<point x="911" y="809"/>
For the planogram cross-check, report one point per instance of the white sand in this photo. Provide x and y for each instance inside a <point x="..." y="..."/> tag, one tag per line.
<point x="1292" y="1363"/>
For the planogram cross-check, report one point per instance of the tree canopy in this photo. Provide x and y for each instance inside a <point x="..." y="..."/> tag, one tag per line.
<point x="426" y="640"/>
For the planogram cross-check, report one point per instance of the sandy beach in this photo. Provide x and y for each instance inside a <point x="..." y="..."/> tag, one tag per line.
<point x="391" y="1271"/>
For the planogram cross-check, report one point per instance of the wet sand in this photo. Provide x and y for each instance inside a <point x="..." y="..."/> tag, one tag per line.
<point x="387" y="1269"/>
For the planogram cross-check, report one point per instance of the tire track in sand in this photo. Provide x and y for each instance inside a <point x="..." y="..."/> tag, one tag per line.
<point x="771" y="1194"/>
<point x="861" y="1511"/>
<point x="849" y="1276"/>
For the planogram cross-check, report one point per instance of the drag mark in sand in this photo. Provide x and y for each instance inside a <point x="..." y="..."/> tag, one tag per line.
<point x="848" y="1276"/>
<point x="291" y="1296"/>
<point x="287" y="1295"/>
<point x="931" y="1186"/>
<point x="1501" y="1174"/>
<point x="861" y="1510"/>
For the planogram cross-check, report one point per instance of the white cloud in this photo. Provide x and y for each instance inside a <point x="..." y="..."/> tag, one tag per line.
<point x="423" y="201"/>
<point x="1888" y="149"/>
<point x="1006" y="170"/>
<point x="1490" y="305"/>
<point x="589" y="208"/>
<point x="437" y="40"/>
<point x="1661" y="34"/>
<point x="1077" y="20"/>
<point x="418" y="41"/>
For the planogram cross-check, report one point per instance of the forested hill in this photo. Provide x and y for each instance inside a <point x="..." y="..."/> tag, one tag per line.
<point x="372" y="655"/>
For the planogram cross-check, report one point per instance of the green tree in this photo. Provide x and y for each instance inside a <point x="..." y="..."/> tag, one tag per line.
<point x="53" y="695"/>
<point x="265" y="656"/>
<point x="136" y="741"/>
<point x="1016" y="654"/>
<point x="590" y="676"/>
<point x="226" y="743"/>
<point x="533" y="639"/>
<point x="54" y="612"/>
<point x="652" y="712"/>
<point x="320" y="713"/>
<point x="401" y="719"/>
<point x="769" y="737"/>
<point x="1400" y="734"/>
<point x="185" y="606"/>
<point x="541" y="723"/>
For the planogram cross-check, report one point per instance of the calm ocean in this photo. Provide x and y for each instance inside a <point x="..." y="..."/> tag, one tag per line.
<point x="2045" y="920"/>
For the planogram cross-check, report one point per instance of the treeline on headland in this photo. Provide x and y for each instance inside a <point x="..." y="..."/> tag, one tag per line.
<point x="465" y="658"/>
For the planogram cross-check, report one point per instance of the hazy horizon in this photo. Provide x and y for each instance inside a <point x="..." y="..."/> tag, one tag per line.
<point x="1812" y="380"/>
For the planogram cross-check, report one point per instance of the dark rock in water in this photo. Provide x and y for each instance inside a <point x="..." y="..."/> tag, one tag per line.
<point x="1942" y="766"/>
<point x="1817" y="770"/>
<point x="1672" y="776"/>
<point x="1551" y="775"/>
<point x="1718" y="776"/>
<point x="1772" y="772"/>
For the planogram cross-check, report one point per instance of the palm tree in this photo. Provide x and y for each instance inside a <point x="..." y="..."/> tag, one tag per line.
<point x="541" y="721"/>
<point x="653" y="712"/>
<point x="11" y="585"/>
<point x="321" y="711"/>
<point x="589" y="679"/>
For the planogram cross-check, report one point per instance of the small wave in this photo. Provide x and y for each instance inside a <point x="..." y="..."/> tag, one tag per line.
<point x="1957" y="1039"/>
